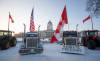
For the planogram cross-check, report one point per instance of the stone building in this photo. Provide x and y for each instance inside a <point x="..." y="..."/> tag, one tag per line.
<point x="48" y="32"/>
<point x="49" y="26"/>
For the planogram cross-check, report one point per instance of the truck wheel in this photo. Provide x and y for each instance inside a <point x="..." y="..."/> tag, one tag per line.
<point x="40" y="50"/>
<point x="7" y="45"/>
<point x="91" y="44"/>
<point x="13" y="42"/>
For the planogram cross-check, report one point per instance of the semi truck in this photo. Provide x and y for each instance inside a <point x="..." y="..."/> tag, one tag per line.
<point x="90" y="38"/>
<point x="71" y="43"/>
<point x="31" y="44"/>
<point x="7" y="39"/>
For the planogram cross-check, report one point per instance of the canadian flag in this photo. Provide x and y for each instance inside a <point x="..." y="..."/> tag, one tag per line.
<point x="56" y="35"/>
<point x="64" y="20"/>
<point x="64" y="16"/>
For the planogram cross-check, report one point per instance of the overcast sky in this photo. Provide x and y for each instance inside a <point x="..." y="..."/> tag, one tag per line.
<point x="44" y="10"/>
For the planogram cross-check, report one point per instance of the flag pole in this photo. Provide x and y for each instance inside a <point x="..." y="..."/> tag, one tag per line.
<point x="92" y="22"/>
<point x="8" y="24"/>
<point x="24" y="36"/>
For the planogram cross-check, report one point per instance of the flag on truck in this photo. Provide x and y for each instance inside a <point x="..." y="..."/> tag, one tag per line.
<point x="64" y="20"/>
<point x="32" y="26"/>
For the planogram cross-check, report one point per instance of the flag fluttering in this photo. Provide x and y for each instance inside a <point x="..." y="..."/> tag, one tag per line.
<point x="87" y="18"/>
<point x="64" y="15"/>
<point x="10" y="18"/>
<point x="64" y="20"/>
<point x="60" y="24"/>
<point x="53" y="39"/>
<point x="32" y="26"/>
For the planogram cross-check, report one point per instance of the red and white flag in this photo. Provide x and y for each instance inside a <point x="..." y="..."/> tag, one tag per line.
<point x="87" y="18"/>
<point x="64" y="20"/>
<point x="60" y="24"/>
<point x="53" y="39"/>
<point x="10" y="18"/>
<point x="64" y="16"/>
<point x="32" y="26"/>
<point x="56" y="35"/>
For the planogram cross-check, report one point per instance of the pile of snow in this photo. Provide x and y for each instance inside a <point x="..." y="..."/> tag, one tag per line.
<point x="19" y="39"/>
<point x="46" y="40"/>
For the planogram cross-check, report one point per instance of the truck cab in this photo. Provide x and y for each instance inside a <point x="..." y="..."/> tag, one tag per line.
<point x="90" y="38"/>
<point x="7" y="39"/>
<point x="31" y="44"/>
<point x="32" y="40"/>
<point x="70" y="37"/>
<point x="71" y="43"/>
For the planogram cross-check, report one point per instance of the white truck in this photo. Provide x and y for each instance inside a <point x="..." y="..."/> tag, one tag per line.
<point x="72" y="43"/>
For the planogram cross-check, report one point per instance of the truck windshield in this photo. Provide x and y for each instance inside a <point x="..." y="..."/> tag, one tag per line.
<point x="91" y="33"/>
<point x="70" y="34"/>
<point x="31" y="35"/>
<point x="2" y="33"/>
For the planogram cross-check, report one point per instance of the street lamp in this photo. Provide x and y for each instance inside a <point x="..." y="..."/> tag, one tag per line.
<point x="38" y="35"/>
<point x="24" y="36"/>
<point x="38" y="28"/>
<point x="77" y="27"/>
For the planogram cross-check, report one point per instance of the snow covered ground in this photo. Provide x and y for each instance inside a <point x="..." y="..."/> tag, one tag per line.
<point x="52" y="52"/>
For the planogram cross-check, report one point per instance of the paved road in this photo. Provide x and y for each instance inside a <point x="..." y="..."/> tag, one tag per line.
<point x="52" y="52"/>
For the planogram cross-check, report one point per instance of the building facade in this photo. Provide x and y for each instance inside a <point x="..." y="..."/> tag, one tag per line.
<point x="48" y="32"/>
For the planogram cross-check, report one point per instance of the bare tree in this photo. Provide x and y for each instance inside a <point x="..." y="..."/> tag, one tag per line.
<point x="93" y="7"/>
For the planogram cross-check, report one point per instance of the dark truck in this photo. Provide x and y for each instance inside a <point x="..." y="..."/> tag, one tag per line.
<point x="90" y="38"/>
<point x="31" y="44"/>
<point x="7" y="39"/>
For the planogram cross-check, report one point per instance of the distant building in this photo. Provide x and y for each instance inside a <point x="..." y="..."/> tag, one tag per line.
<point x="49" y="26"/>
<point x="19" y="35"/>
<point x="49" y="31"/>
<point x="42" y="34"/>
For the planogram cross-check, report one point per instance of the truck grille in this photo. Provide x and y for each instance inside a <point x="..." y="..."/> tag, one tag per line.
<point x="31" y="42"/>
<point x="70" y="40"/>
